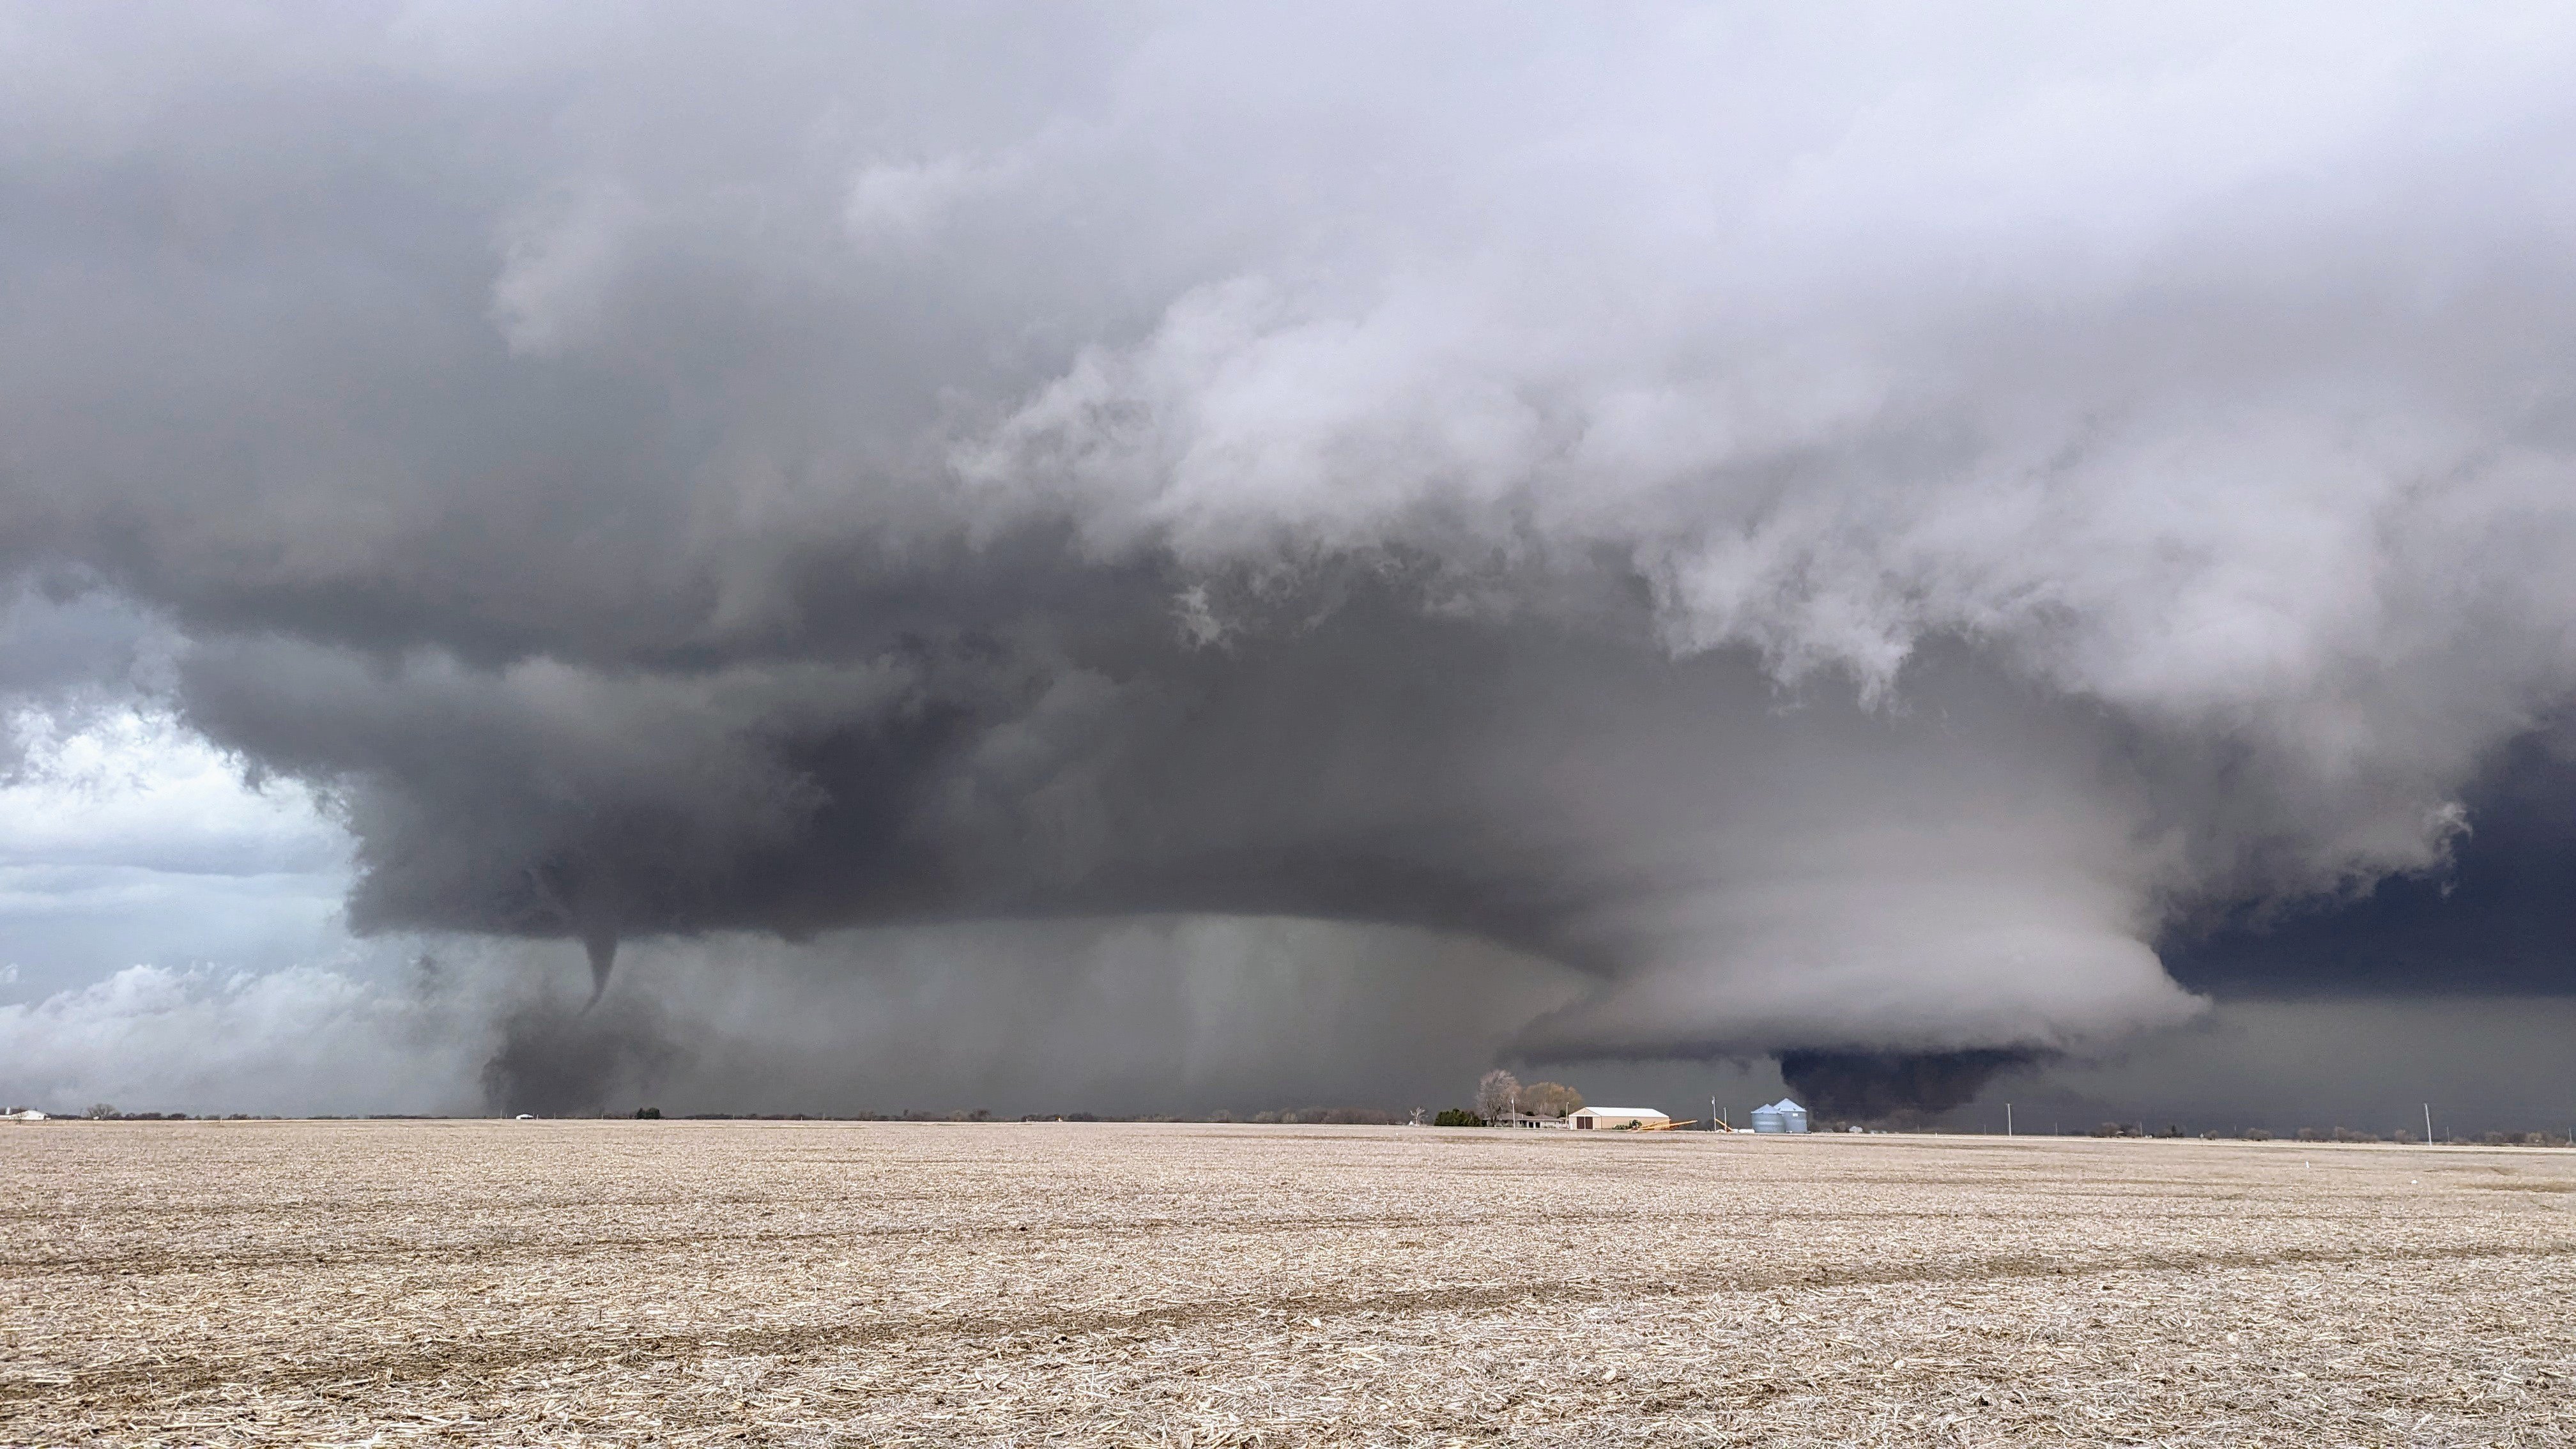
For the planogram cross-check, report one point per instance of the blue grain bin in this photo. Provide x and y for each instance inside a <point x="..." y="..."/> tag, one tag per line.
<point x="1781" y="1116"/>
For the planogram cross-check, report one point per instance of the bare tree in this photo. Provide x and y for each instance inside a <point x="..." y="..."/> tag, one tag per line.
<point x="1498" y="1092"/>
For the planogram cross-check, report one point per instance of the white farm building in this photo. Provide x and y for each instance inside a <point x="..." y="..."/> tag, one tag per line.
<point x="1618" y="1117"/>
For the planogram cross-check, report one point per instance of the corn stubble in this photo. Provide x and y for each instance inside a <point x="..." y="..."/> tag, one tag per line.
<point x="691" y="1283"/>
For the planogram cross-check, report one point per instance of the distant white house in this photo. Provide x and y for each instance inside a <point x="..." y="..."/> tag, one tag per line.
<point x="1596" y="1117"/>
<point x="30" y="1115"/>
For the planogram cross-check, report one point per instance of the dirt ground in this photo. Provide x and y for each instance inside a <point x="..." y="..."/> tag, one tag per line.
<point x="824" y="1283"/>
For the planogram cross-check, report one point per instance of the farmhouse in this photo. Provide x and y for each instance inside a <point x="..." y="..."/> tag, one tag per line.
<point x="1590" y="1117"/>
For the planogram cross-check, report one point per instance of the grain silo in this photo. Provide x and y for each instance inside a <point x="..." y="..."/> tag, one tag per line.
<point x="1781" y="1116"/>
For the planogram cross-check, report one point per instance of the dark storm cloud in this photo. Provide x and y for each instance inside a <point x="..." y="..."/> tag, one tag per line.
<point x="66" y="655"/>
<point x="2498" y="920"/>
<point x="1883" y="1086"/>
<point x="1847" y="529"/>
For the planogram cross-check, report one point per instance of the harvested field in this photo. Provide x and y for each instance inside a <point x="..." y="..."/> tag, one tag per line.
<point x="792" y="1283"/>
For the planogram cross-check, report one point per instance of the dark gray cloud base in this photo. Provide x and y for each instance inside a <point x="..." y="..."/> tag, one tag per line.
<point x="1849" y="529"/>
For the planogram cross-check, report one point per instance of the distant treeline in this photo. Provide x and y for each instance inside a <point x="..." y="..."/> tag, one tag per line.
<point x="979" y="1114"/>
<point x="1349" y="1116"/>
<point x="2340" y="1134"/>
<point x="1344" y="1116"/>
<point x="102" y="1112"/>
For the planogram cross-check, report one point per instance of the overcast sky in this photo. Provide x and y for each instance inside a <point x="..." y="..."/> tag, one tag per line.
<point x="966" y="555"/>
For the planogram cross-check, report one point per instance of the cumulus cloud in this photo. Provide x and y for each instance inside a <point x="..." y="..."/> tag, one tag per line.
<point x="124" y="838"/>
<point x="299" y="1040"/>
<point x="1848" y="529"/>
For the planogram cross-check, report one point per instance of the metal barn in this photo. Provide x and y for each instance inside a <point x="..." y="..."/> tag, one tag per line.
<point x="1595" y="1117"/>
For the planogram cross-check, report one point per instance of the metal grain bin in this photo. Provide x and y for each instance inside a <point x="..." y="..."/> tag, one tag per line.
<point x="1767" y="1119"/>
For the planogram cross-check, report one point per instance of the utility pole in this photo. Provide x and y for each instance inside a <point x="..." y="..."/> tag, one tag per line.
<point x="2007" y="1119"/>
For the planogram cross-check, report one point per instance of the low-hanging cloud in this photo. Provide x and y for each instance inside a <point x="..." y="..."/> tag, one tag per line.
<point x="1139" y="1016"/>
<point x="299" y="1040"/>
<point x="1846" y="528"/>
